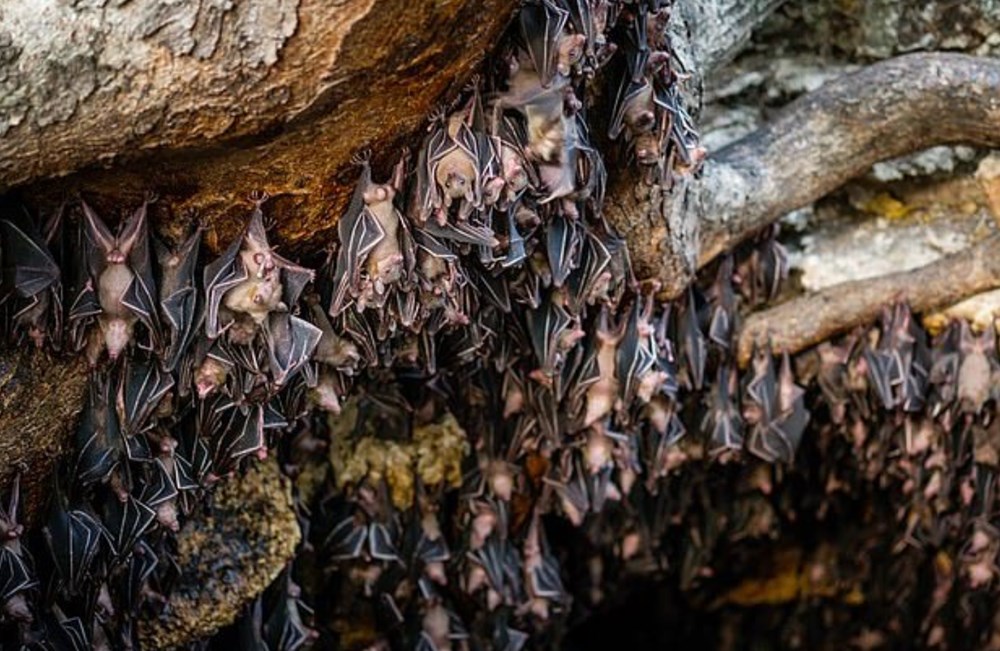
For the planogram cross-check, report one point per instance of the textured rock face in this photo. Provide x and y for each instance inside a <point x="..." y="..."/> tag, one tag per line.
<point x="206" y="102"/>
<point x="40" y="398"/>
<point x="228" y="556"/>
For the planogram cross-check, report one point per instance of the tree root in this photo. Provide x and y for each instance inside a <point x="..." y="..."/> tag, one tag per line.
<point x="802" y="322"/>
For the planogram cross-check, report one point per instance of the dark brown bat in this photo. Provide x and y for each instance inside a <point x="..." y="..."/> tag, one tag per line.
<point x="563" y="243"/>
<point x="30" y="270"/>
<point x="125" y="522"/>
<point x="141" y="388"/>
<point x="692" y="342"/>
<point x="178" y="299"/>
<point x="74" y="539"/>
<point x="290" y="345"/>
<point x="283" y="629"/>
<point x="122" y="273"/>
<point x="722" y="422"/>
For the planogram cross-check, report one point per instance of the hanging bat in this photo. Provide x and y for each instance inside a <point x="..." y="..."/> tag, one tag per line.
<point x="978" y="372"/>
<point x="250" y="279"/>
<point x="160" y="491"/>
<point x="290" y="345"/>
<point x="359" y="233"/>
<point x="125" y="522"/>
<point x="692" y="343"/>
<point x="141" y="388"/>
<point x="73" y="539"/>
<point x="178" y="298"/>
<point x="553" y="332"/>
<point x="122" y="273"/>
<point x="98" y="437"/>
<point x="448" y="171"/>
<point x="720" y="328"/>
<point x="236" y="431"/>
<point x="603" y="392"/>
<point x="284" y="630"/>
<point x="722" y="421"/>
<point x="550" y="50"/>
<point x="141" y="565"/>
<point x="563" y="239"/>
<point x="30" y="270"/>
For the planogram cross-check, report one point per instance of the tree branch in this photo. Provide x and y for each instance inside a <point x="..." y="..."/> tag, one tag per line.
<point x="820" y="141"/>
<point x="808" y="320"/>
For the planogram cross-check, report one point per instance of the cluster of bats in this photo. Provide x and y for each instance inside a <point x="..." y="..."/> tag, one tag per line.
<point x="481" y="279"/>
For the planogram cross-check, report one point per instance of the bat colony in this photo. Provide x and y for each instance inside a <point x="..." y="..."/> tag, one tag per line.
<point x="482" y="281"/>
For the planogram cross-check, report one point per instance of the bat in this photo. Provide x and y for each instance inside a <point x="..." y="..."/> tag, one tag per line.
<point x="692" y="341"/>
<point x="978" y="370"/>
<point x="250" y="279"/>
<point x="142" y="563"/>
<point x="98" y="437"/>
<point x="722" y="422"/>
<point x="386" y="264"/>
<point x="545" y="326"/>
<point x="359" y="233"/>
<point x="448" y="169"/>
<point x="30" y="270"/>
<point x="290" y="345"/>
<point x="237" y="430"/>
<point x="125" y="522"/>
<point x="636" y="354"/>
<point x="563" y="240"/>
<point x="720" y="328"/>
<point x="179" y="299"/>
<point x="141" y="389"/>
<point x="783" y="415"/>
<point x="122" y="274"/>
<point x="73" y="538"/>
<point x="284" y="630"/>
<point x="541" y="29"/>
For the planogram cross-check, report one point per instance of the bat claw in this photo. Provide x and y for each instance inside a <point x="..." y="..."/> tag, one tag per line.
<point x="362" y="157"/>
<point x="258" y="197"/>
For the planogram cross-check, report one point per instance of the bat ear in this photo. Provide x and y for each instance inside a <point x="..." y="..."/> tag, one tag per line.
<point x="134" y="231"/>
<point x="97" y="232"/>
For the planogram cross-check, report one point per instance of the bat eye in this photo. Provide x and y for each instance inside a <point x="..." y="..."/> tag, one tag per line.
<point x="258" y="258"/>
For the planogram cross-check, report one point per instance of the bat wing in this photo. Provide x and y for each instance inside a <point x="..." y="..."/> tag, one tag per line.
<point x="541" y="26"/>
<point x="98" y="237"/>
<point x="141" y="566"/>
<point x="126" y="522"/>
<point x="347" y="539"/>
<point x="626" y="87"/>
<point x="140" y="296"/>
<point x="142" y="388"/>
<point x="15" y="575"/>
<point x="220" y="276"/>
<point x="464" y="232"/>
<point x="32" y="267"/>
<point x="562" y="240"/>
<point x="74" y="539"/>
<point x="294" y="278"/>
<point x="380" y="543"/>
<point x="241" y="432"/>
<point x="181" y="313"/>
<point x="290" y="343"/>
<point x="544" y="327"/>
<point x="359" y="234"/>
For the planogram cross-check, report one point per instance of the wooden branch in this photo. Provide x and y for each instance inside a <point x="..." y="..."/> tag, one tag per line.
<point x="820" y="141"/>
<point x="802" y="322"/>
